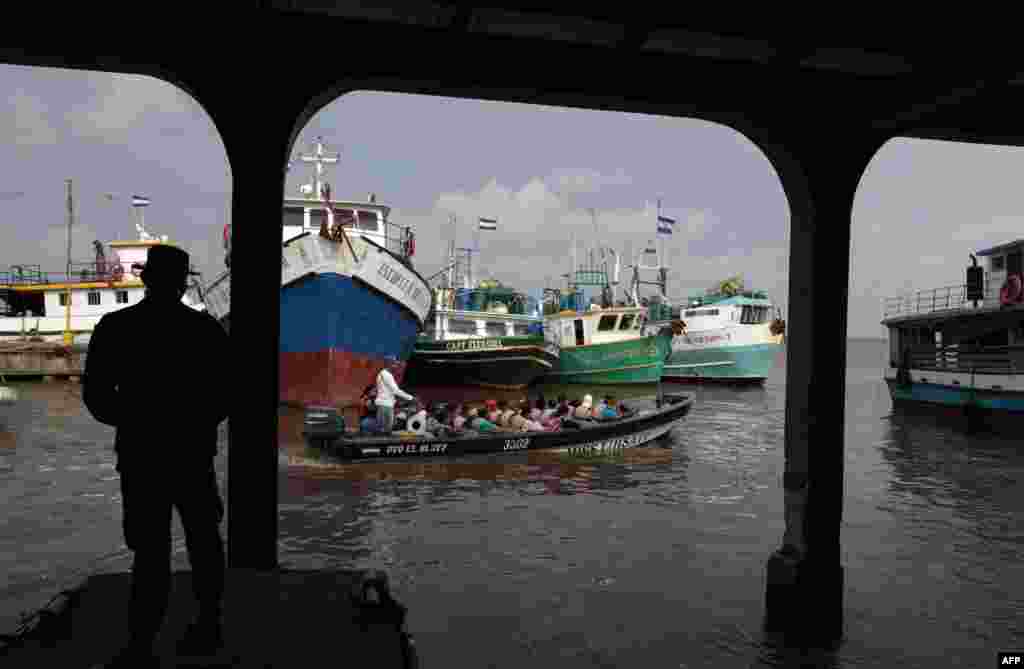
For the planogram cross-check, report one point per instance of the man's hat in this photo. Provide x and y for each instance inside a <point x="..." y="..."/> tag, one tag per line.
<point x="166" y="260"/>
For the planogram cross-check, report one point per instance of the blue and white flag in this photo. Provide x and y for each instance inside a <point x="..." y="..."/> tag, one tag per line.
<point x="488" y="224"/>
<point x="665" y="225"/>
<point x="139" y="201"/>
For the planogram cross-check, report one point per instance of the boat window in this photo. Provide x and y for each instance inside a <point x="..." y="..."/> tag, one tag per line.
<point x="701" y="312"/>
<point x="121" y="297"/>
<point x="294" y="216"/>
<point x="521" y="329"/>
<point x="94" y="298"/>
<point x="627" y="321"/>
<point x="580" y="338"/>
<point x="1013" y="262"/>
<point x="368" y="221"/>
<point x="317" y="217"/>
<point x="462" y="326"/>
<point x="998" y="263"/>
<point x="63" y="299"/>
<point x="639" y="323"/>
<point x="495" y="329"/>
<point x="607" y="323"/>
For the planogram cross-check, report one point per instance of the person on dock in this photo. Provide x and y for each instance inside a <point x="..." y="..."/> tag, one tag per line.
<point x="387" y="390"/>
<point x="141" y="378"/>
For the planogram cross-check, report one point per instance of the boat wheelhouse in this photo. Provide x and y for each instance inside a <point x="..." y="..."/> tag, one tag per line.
<point x="351" y="301"/>
<point x="489" y="336"/>
<point x="605" y="345"/>
<point x="961" y="347"/>
<point x="45" y="305"/>
<point x="732" y="335"/>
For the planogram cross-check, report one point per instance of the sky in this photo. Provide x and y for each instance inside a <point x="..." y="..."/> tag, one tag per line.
<point x="920" y="209"/>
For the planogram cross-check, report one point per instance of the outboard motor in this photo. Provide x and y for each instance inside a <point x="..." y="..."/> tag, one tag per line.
<point x="322" y="426"/>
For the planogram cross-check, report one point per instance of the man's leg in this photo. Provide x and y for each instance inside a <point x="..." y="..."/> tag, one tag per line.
<point x="147" y="532"/>
<point x="385" y="419"/>
<point x="202" y="509"/>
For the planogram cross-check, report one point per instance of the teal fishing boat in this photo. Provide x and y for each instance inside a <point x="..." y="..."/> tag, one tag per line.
<point x="731" y="335"/>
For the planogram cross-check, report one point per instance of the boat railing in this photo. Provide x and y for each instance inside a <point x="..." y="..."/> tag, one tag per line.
<point x="978" y="360"/>
<point x="479" y="299"/>
<point x="81" y="272"/>
<point x="938" y="299"/>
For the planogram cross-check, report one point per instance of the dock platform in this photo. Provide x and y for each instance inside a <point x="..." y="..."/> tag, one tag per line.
<point x="271" y="619"/>
<point x="47" y="359"/>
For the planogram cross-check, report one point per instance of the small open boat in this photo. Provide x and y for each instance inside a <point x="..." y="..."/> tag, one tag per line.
<point x="324" y="429"/>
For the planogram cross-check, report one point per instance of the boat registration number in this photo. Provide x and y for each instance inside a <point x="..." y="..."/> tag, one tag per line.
<point x="516" y="444"/>
<point x="408" y="449"/>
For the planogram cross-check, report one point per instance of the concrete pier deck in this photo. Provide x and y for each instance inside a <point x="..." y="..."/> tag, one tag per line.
<point x="271" y="619"/>
<point x="37" y="358"/>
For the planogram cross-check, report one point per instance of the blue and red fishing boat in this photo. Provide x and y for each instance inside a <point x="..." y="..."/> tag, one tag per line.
<point x="351" y="301"/>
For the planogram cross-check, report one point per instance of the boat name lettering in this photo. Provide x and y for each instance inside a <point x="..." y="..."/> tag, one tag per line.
<point x="516" y="444"/>
<point x="401" y="281"/>
<point x="710" y="339"/>
<point x="621" y="355"/>
<point x="607" y="445"/>
<point x="410" y="449"/>
<point x="470" y="344"/>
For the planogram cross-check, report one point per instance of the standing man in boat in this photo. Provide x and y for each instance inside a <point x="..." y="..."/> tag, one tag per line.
<point x="387" y="390"/>
<point x="155" y="371"/>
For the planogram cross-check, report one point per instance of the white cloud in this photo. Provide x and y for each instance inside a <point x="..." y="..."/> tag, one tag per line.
<point x="122" y="103"/>
<point x="531" y="248"/>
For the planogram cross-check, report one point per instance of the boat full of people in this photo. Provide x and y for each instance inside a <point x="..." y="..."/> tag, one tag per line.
<point x="579" y="428"/>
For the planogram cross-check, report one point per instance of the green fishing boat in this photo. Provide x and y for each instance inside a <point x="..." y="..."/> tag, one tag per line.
<point x="602" y="346"/>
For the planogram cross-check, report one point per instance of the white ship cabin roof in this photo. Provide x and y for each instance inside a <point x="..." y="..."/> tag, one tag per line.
<point x="1003" y="258"/>
<point x="306" y="215"/>
<point x="596" y="326"/>
<point x="1001" y="249"/>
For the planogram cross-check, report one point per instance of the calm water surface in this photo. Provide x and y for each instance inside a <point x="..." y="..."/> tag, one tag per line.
<point x="654" y="559"/>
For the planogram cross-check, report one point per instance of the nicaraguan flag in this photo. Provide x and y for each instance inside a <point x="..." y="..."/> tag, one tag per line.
<point x="488" y="224"/>
<point x="665" y="225"/>
<point x="139" y="201"/>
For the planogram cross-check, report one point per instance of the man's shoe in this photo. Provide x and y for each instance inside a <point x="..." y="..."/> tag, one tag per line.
<point x="201" y="639"/>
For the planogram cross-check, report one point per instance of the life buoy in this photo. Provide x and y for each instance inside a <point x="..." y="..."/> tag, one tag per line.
<point x="1011" y="290"/>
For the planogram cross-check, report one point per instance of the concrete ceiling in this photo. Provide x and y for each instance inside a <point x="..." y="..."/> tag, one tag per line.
<point x="946" y="76"/>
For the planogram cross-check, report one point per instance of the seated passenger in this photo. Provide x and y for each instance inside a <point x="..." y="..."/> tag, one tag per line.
<point x="610" y="409"/>
<point x="459" y="418"/>
<point x="585" y="409"/>
<point x="550" y="411"/>
<point x="479" y="423"/>
<point x="491" y="408"/>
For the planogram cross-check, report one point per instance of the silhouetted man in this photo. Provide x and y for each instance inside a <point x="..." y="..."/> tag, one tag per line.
<point x="156" y="371"/>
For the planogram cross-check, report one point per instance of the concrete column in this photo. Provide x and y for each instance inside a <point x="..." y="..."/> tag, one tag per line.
<point x="256" y="127"/>
<point x="820" y="174"/>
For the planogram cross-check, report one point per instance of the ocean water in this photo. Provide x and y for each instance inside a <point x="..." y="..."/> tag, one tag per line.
<point x="652" y="559"/>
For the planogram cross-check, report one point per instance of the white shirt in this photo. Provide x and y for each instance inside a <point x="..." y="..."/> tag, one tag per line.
<point x="387" y="389"/>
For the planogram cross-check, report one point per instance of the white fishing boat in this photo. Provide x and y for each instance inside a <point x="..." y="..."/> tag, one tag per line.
<point x="961" y="348"/>
<point x="65" y="306"/>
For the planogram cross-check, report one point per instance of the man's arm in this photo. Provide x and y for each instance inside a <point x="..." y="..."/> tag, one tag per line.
<point x="224" y="373"/>
<point x="99" y="382"/>
<point x="389" y="381"/>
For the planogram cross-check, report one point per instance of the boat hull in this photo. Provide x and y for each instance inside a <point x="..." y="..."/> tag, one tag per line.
<point x="750" y="363"/>
<point x="336" y="335"/>
<point x="597" y="438"/>
<point x="997" y="409"/>
<point x="639" y="360"/>
<point x="501" y="362"/>
<point x="347" y="310"/>
<point x="738" y="353"/>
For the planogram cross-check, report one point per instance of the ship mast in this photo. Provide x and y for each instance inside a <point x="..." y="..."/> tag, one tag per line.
<point x="318" y="160"/>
